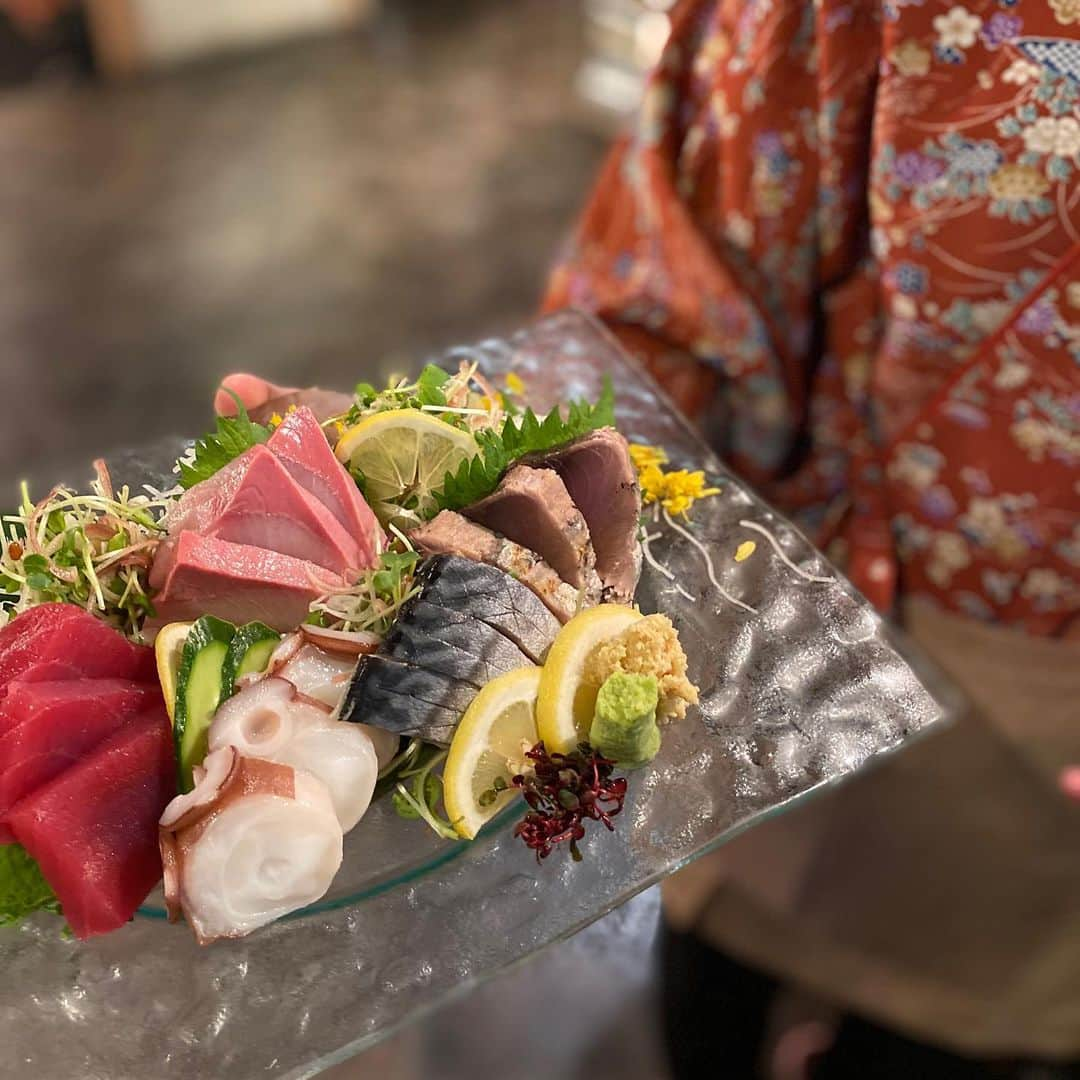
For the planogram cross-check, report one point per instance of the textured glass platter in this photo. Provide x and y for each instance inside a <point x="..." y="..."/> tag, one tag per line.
<point x="796" y="695"/>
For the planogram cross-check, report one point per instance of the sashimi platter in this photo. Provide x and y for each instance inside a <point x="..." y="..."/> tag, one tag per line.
<point x="502" y="620"/>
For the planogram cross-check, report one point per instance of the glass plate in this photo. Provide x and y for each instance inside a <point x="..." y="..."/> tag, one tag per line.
<point x="799" y="693"/>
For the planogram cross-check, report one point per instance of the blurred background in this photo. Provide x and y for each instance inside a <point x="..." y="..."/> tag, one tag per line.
<point x="320" y="191"/>
<point x="317" y="190"/>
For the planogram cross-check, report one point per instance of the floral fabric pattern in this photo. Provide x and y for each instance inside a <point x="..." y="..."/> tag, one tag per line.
<point x="846" y="235"/>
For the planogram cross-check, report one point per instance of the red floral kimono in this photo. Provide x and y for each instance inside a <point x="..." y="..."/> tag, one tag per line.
<point x="846" y="236"/>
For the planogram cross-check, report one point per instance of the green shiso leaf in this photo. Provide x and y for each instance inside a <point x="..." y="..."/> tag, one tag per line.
<point x="479" y="476"/>
<point x="233" y="436"/>
<point x="23" y="889"/>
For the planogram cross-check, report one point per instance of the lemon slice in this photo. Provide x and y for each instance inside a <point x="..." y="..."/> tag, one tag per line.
<point x="168" y="648"/>
<point x="495" y="730"/>
<point x="404" y="455"/>
<point x="566" y="703"/>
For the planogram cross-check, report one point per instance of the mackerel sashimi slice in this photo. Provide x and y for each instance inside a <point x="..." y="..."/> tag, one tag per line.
<point x="406" y="700"/>
<point x="254" y="500"/>
<point x="300" y="445"/>
<point x="452" y="644"/>
<point x="486" y="593"/>
<point x="67" y="634"/>
<point x="59" y="724"/>
<point x="94" y="829"/>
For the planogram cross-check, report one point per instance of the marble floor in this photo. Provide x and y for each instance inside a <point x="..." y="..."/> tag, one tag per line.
<point x="322" y="213"/>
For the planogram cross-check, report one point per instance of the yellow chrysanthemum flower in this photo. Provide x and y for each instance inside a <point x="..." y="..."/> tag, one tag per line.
<point x="643" y="456"/>
<point x="675" y="491"/>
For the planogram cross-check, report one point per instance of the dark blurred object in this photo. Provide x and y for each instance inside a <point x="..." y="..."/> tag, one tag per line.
<point x="43" y="41"/>
<point x="715" y="1009"/>
<point x="624" y="39"/>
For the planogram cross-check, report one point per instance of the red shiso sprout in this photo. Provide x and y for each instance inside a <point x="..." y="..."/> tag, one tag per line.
<point x="562" y="791"/>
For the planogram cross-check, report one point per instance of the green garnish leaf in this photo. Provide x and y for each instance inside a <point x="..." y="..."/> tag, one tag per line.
<point x="479" y="476"/>
<point x="394" y="565"/>
<point x="23" y="889"/>
<point x="233" y="436"/>
<point x="366" y="393"/>
<point x="429" y="385"/>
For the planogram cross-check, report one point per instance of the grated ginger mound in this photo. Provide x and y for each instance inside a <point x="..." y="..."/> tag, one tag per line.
<point x="648" y="647"/>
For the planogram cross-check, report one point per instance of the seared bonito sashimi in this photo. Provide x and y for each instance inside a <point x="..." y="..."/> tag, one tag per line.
<point x="602" y="482"/>
<point x="533" y="508"/>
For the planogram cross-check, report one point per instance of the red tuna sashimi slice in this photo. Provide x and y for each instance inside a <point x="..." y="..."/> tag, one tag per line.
<point x="94" y="829"/>
<point x="16" y="638"/>
<point x="70" y="635"/>
<point x="59" y="723"/>
<point x="50" y="671"/>
<point x="240" y="583"/>
<point x="255" y="500"/>
<point x="301" y="446"/>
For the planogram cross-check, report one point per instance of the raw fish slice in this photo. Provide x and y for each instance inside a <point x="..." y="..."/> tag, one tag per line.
<point x="461" y="631"/>
<point x="406" y="700"/>
<point x="533" y="508"/>
<point x="601" y="480"/>
<point x="400" y="714"/>
<point x="485" y="593"/>
<point x="467" y="650"/>
<point x="68" y="634"/>
<point x="93" y="830"/>
<point x="254" y="500"/>
<point x="240" y="583"/>
<point x="15" y="636"/>
<point x="449" y="533"/>
<point x="300" y="445"/>
<point x="49" y="671"/>
<point x="415" y="682"/>
<point x="60" y="723"/>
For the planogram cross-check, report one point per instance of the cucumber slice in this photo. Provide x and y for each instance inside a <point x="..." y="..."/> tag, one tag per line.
<point x="249" y="651"/>
<point x="198" y="691"/>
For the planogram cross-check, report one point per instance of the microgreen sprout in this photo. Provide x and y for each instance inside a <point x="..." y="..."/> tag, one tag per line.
<point x="94" y="550"/>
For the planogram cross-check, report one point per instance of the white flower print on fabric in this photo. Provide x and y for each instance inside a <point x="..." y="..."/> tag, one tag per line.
<point x="1053" y="135"/>
<point x="1020" y="72"/>
<point x="957" y="28"/>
